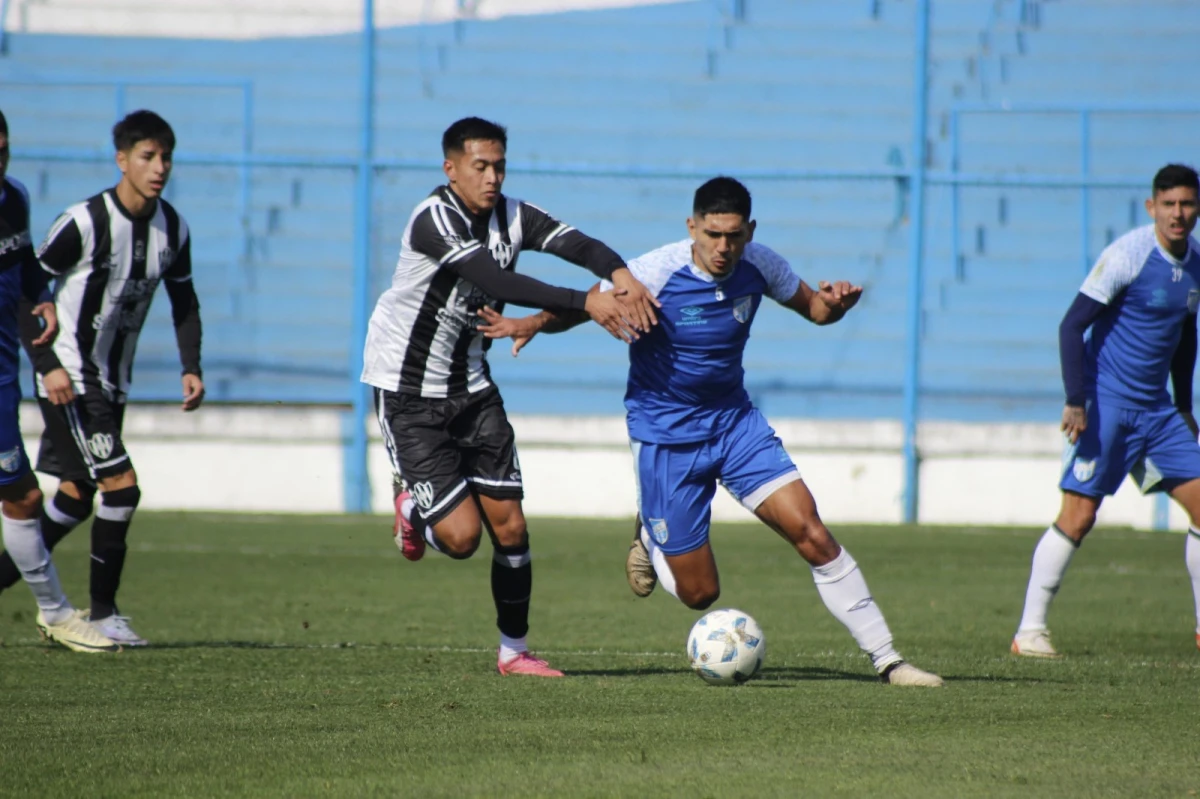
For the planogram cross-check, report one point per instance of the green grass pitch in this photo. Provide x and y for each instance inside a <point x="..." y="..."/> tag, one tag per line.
<point x="301" y="656"/>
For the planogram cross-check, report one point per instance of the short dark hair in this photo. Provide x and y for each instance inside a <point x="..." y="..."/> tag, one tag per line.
<point x="140" y="126"/>
<point x="1172" y="176"/>
<point x="455" y="138"/>
<point x="722" y="195"/>
<point x="3" y="125"/>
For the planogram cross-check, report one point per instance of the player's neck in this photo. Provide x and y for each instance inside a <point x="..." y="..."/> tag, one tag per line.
<point x="134" y="203"/>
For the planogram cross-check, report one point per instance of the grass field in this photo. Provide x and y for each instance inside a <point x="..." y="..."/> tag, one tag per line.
<point x="303" y="657"/>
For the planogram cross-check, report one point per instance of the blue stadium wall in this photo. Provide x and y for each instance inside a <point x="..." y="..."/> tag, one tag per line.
<point x="615" y="116"/>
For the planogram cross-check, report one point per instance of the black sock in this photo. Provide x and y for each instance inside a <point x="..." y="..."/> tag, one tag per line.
<point x="512" y="583"/>
<point x="109" y="531"/>
<point x="62" y="515"/>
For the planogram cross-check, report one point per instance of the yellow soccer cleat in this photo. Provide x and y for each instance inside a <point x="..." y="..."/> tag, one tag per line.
<point x="76" y="633"/>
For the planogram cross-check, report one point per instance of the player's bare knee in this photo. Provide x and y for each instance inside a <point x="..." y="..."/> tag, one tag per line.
<point x="1076" y="523"/>
<point x="26" y="504"/>
<point x="699" y="597"/>
<point x="459" y="544"/>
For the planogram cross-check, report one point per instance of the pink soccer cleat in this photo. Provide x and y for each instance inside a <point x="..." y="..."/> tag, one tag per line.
<point x="410" y="543"/>
<point x="526" y="663"/>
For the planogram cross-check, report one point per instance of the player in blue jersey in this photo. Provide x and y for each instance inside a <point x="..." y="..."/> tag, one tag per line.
<point x="692" y="424"/>
<point x="1140" y="302"/>
<point x="21" y="277"/>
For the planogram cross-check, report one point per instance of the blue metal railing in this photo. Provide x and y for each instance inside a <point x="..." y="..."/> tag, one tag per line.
<point x="1084" y="181"/>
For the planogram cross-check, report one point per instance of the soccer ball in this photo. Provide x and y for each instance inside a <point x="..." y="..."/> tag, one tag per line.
<point x="726" y="647"/>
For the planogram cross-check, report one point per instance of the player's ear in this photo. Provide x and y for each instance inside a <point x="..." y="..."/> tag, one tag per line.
<point x="1150" y="206"/>
<point x="750" y="231"/>
<point x="448" y="168"/>
<point x="691" y="224"/>
<point x="122" y="161"/>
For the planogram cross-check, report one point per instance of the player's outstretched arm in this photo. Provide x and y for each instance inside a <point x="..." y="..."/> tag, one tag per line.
<point x="1183" y="369"/>
<point x="185" y="314"/>
<point x="522" y="330"/>
<point x="827" y="304"/>
<point x="549" y="235"/>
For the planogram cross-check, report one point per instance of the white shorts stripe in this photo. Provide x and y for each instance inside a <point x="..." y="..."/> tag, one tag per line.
<point x="80" y="436"/>
<point x="453" y="495"/>
<point x="389" y="439"/>
<point x="495" y="483"/>
<point x="759" y="495"/>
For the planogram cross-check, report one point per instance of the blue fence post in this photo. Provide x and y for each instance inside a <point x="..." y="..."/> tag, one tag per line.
<point x="1085" y="169"/>
<point x="916" y="244"/>
<point x="239" y="263"/>
<point x="357" y="486"/>
<point x="3" y="34"/>
<point x="955" y="241"/>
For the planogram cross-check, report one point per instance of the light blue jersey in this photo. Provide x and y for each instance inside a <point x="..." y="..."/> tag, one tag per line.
<point x="685" y="376"/>
<point x="1149" y="295"/>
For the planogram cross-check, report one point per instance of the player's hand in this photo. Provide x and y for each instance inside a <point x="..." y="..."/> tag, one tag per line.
<point x="193" y="392"/>
<point x="521" y="331"/>
<point x="1190" y="421"/>
<point x="59" y="389"/>
<point x="638" y="301"/>
<point x="607" y="311"/>
<point x="1074" y="422"/>
<point x="841" y="295"/>
<point x="50" y="318"/>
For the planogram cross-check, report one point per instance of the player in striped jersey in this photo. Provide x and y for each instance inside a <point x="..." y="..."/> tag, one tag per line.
<point x="22" y="286"/>
<point x="447" y="434"/>
<point x="109" y="254"/>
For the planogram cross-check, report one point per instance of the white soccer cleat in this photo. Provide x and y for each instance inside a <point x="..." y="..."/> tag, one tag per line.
<point x="1034" y="644"/>
<point x="76" y="634"/>
<point x="907" y="674"/>
<point x="117" y="628"/>
<point x="639" y="569"/>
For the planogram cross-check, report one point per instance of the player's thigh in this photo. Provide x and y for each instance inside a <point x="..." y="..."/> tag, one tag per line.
<point x="1096" y="464"/>
<point x="18" y="487"/>
<point x="64" y="449"/>
<point x="695" y="573"/>
<point x="422" y="452"/>
<point x="753" y="462"/>
<point x="1173" y="456"/>
<point x="488" y="445"/>
<point x="675" y="485"/>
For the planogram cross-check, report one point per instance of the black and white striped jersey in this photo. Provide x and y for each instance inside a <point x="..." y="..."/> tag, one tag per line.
<point x="423" y="336"/>
<point x="107" y="264"/>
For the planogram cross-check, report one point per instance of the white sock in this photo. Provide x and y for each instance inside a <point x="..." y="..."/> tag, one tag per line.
<point x="666" y="578"/>
<point x="511" y="647"/>
<point x="1050" y="560"/>
<point x="406" y="509"/>
<point x="844" y="591"/>
<point x="23" y="540"/>
<point x="1192" y="556"/>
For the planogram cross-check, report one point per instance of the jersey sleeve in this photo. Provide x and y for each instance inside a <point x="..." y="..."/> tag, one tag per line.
<point x="180" y="270"/>
<point x="442" y="234"/>
<point x="782" y="282"/>
<point x="545" y="233"/>
<point x="1115" y="269"/>
<point x="63" y="248"/>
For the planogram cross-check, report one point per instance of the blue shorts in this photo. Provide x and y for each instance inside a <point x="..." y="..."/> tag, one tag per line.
<point x="1156" y="446"/>
<point x="677" y="482"/>
<point x="14" y="464"/>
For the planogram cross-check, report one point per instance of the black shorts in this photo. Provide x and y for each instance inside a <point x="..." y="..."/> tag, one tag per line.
<point x="82" y="439"/>
<point x="444" y="448"/>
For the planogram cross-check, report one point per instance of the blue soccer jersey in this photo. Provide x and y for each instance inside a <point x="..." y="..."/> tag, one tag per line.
<point x="685" y="376"/>
<point x="16" y="255"/>
<point x="1149" y="294"/>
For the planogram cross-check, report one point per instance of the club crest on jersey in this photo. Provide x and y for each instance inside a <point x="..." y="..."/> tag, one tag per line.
<point x="100" y="445"/>
<point x="422" y="494"/>
<point x="658" y="530"/>
<point x="10" y="460"/>
<point x="1083" y="470"/>
<point x="1193" y="300"/>
<point x="742" y="308"/>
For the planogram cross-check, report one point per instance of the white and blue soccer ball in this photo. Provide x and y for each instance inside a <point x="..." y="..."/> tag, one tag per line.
<point x="726" y="647"/>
